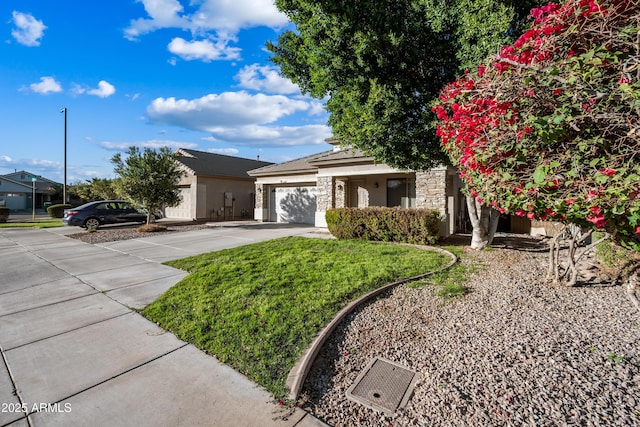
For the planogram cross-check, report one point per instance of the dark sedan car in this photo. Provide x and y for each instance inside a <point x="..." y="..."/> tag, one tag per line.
<point x="95" y="214"/>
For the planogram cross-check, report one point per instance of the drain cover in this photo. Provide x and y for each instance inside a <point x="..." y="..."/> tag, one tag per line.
<point x="383" y="385"/>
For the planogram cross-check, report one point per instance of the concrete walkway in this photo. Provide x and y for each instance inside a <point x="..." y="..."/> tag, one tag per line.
<point x="75" y="354"/>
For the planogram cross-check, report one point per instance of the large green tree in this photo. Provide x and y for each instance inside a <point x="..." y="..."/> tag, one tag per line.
<point x="94" y="189"/>
<point x="148" y="179"/>
<point x="380" y="63"/>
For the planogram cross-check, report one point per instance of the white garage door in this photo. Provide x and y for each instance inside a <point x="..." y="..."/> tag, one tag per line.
<point x="183" y="210"/>
<point x="296" y="205"/>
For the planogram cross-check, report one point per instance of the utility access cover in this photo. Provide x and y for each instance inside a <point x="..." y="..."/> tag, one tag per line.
<point x="383" y="385"/>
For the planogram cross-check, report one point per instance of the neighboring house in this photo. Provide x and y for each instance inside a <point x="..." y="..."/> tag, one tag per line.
<point x="302" y="190"/>
<point x="17" y="190"/>
<point x="215" y="187"/>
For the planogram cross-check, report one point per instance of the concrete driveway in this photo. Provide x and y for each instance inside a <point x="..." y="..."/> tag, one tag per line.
<point x="75" y="354"/>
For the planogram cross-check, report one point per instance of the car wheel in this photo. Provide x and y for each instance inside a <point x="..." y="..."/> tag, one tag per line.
<point x="92" y="223"/>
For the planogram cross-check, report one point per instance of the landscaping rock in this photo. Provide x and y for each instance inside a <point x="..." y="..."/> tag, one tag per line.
<point x="515" y="351"/>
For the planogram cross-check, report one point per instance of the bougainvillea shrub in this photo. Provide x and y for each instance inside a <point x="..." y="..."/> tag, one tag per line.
<point x="549" y="128"/>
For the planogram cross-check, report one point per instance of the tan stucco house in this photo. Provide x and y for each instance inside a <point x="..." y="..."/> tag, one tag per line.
<point x="17" y="191"/>
<point x="302" y="190"/>
<point x="215" y="187"/>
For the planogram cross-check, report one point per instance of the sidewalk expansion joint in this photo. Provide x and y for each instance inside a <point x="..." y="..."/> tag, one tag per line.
<point x="16" y="392"/>
<point x="70" y="330"/>
<point x="117" y="376"/>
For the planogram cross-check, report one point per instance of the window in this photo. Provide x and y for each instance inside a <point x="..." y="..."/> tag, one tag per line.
<point x="401" y="192"/>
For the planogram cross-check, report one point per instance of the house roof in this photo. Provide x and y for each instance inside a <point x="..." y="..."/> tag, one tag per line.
<point x="203" y="163"/>
<point x="347" y="155"/>
<point x="296" y="166"/>
<point x="43" y="185"/>
<point x="310" y="164"/>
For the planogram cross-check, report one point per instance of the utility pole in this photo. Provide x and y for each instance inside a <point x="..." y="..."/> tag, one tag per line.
<point x="64" y="187"/>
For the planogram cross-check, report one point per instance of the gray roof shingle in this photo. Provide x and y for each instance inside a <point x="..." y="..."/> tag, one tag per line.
<point x="203" y="163"/>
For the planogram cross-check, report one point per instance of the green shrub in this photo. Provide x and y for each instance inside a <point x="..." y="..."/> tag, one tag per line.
<point x="4" y="214"/>
<point x="416" y="226"/>
<point x="57" y="211"/>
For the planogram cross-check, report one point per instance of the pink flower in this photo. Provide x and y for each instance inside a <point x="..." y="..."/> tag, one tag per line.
<point x="607" y="171"/>
<point x="638" y="230"/>
<point x="520" y="212"/>
<point x="597" y="220"/>
<point x="481" y="70"/>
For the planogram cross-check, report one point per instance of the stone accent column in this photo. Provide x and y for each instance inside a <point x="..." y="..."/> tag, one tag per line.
<point x="324" y="198"/>
<point x="260" y="196"/>
<point x="260" y="210"/>
<point x="431" y="190"/>
<point x="341" y="192"/>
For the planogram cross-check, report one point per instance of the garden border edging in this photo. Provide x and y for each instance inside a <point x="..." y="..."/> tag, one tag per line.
<point x="299" y="372"/>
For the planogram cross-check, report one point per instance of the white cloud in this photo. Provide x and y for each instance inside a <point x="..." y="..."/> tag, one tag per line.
<point x="273" y="136"/>
<point x="28" y="29"/>
<point x="265" y="78"/>
<point x="204" y="50"/>
<point x="231" y="16"/>
<point x="241" y="118"/>
<point x="225" y="151"/>
<point x="104" y="90"/>
<point x="154" y="144"/>
<point x="215" y="22"/>
<point x="221" y="16"/>
<point x="227" y="109"/>
<point x="47" y="85"/>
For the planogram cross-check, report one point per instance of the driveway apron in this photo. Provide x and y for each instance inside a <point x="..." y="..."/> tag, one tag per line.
<point x="74" y="353"/>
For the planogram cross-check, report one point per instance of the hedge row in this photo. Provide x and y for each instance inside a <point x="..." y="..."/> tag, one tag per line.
<point x="57" y="211"/>
<point x="416" y="226"/>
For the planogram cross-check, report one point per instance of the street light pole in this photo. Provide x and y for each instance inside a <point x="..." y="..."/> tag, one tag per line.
<point x="33" y="198"/>
<point x="64" y="188"/>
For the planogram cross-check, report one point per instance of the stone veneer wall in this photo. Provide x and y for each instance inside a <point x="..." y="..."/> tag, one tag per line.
<point x="260" y="197"/>
<point x="341" y="193"/>
<point x="431" y="190"/>
<point x="324" y="198"/>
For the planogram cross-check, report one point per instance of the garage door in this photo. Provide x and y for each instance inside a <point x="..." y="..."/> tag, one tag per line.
<point x="183" y="210"/>
<point x="296" y="205"/>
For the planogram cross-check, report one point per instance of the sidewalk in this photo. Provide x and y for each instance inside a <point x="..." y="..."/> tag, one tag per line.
<point x="75" y="354"/>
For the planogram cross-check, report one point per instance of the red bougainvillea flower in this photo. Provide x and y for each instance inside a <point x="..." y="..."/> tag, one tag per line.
<point x="607" y="171"/>
<point x="527" y="140"/>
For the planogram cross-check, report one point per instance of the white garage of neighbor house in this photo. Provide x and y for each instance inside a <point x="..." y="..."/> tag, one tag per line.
<point x="215" y="187"/>
<point x="302" y="190"/>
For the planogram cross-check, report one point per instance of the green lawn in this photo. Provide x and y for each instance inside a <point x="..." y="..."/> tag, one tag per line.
<point x="258" y="307"/>
<point x="38" y="223"/>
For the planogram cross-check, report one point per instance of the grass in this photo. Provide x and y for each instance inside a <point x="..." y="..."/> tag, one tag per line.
<point x="258" y="307"/>
<point x="38" y="223"/>
<point x="451" y="282"/>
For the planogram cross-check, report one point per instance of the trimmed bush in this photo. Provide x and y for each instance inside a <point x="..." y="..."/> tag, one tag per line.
<point x="4" y="214"/>
<point x="416" y="226"/>
<point x="57" y="211"/>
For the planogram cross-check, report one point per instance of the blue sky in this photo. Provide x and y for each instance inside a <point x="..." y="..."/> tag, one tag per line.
<point x="150" y="73"/>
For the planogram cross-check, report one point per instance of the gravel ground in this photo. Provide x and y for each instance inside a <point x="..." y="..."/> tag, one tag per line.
<point x="513" y="352"/>
<point x="114" y="233"/>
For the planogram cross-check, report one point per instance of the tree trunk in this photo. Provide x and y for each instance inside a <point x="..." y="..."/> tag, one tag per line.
<point x="484" y="221"/>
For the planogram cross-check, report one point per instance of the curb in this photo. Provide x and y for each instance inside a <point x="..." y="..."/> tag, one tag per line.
<point x="298" y="374"/>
